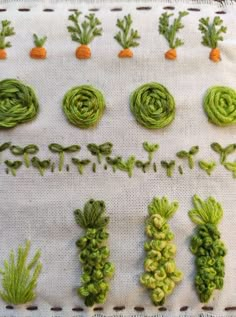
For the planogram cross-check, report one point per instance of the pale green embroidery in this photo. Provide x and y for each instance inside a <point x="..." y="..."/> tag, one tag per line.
<point x="151" y="149"/>
<point x="83" y="106"/>
<point x="39" y="41"/>
<point x="40" y="165"/>
<point x="231" y="166"/>
<point x="13" y="166"/>
<point x="208" y="167"/>
<point x="25" y="151"/>
<point x="152" y="106"/>
<point x="189" y="155"/>
<point x="57" y="148"/>
<point x="220" y="105"/>
<point x="96" y="269"/>
<point x="142" y="165"/>
<point x="169" y="166"/>
<point x="161" y="273"/>
<point x="180" y="169"/>
<point x="80" y="164"/>
<point x="18" y="103"/>
<point x="101" y="150"/>
<point x="207" y="247"/>
<point x="127" y="166"/>
<point x="224" y="152"/>
<point x="94" y="167"/>
<point x="19" y="278"/>
<point x="6" y="31"/>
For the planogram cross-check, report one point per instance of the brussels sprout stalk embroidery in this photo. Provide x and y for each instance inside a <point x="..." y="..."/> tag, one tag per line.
<point x="57" y="148"/>
<point x="5" y="31"/>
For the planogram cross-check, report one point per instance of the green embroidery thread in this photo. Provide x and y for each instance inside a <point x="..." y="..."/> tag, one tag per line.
<point x="84" y="106"/>
<point x="13" y="166"/>
<point x="97" y="270"/>
<point x="207" y="247"/>
<point x="40" y="165"/>
<point x="224" y="152"/>
<point x="94" y="169"/>
<point x="4" y="146"/>
<point x="6" y="31"/>
<point x="18" y="280"/>
<point x="57" y="148"/>
<point x="169" y="32"/>
<point x="208" y="167"/>
<point x="231" y="166"/>
<point x="84" y="33"/>
<point x="113" y="162"/>
<point x="154" y="167"/>
<point x="126" y="37"/>
<point x="220" y="105"/>
<point x="127" y="166"/>
<point x="152" y="106"/>
<point x="180" y="169"/>
<point x="151" y="149"/>
<point x="189" y="155"/>
<point x="18" y="103"/>
<point x="39" y="52"/>
<point x="161" y="274"/>
<point x="80" y="164"/>
<point x="25" y="151"/>
<point x="142" y="165"/>
<point x="104" y="149"/>
<point x="211" y="35"/>
<point x="169" y="166"/>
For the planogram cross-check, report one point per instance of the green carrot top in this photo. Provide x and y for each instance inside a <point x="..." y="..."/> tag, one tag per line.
<point x="39" y="42"/>
<point x="6" y="30"/>
<point x="126" y="37"/>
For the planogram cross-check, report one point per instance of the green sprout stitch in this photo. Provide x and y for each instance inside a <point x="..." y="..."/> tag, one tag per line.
<point x="231" y="166"/>
<point x="40" y="165"/>
<point x="169" y="166"/>
<point x="189" y="155"/>
<point x="208" y="167"/>
<point x="101" y="150"/>
<point x="25" y="151"/>
<point x="13" y="166"/>
<point x="80" y="164"/>
<point x="211" y="35"/>
<point x="169" y="32"/>
<point x="57" y="148"/>
<point x="161" y="274"/>
<point x="39" y="41"/>
<point x="224" y="152"/>
<point x="18" y="282"/>
<point x="5" y="31"/>
<point x="113" y="162"/>
<point x="126" y="37"/>
<point x="127" y="166"/>
<point x="142" y="165"/>
<point x="84" y="32"/>
<point x="207" y="247"/>
<point x="96" y="269"/>
<point x="151" y="149"/>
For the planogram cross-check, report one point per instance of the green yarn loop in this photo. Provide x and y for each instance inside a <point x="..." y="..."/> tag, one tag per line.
<point x="153" y="106"/>
<point x="18" y="103"/>
<point x="84" y="106"/>
<point x="220" y="105"/>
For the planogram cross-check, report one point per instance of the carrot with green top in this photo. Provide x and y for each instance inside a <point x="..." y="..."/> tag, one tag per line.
<point x="5" y="31"/>
<point x="39" y="52"/>
<point x="84" y="33"/>
<point x="126" y="37"/>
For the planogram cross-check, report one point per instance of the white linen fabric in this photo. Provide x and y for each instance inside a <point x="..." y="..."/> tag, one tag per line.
<point x="41" y="208"/>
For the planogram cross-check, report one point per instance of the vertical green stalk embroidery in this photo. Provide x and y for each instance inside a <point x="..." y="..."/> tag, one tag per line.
<point x="13" y="166"/>
<point x="161" y="274"/>
<point x="5" y="31"/>
<point x="80" y="164"/>
<point x="25" y="151"/>
<point x="169" y="166"/>
<point x="208" y="167"/>
<point x="189" y="155"/>
<point x="101" y="150"/>
<point x="224" y="152"/>
<point x="150" y="149"/>
<point x="207" y="247"/>
<point x="40" y="165"/>
<point x="18" y="282"/>
<point x="97" y="270"/>
<point x="57" y="148"/>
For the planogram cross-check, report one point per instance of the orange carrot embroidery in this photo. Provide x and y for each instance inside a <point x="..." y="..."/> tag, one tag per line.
<point x="126" y="37"/>
<point x="5" y="31"/>
<point x="211" y="35"/>
<point x="39" y="52"/>
<point x="84" y="33"/>
<point x="169" y="32"/>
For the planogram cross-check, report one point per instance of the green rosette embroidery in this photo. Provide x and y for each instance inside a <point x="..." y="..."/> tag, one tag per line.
<point x="96" y="269"/>
<point x="220" y="105"/>
<point x="152" y="106"/>
<point x="161" y="274"/>
<point x="207" y="247"/>
<point x="18" y="103"/>
<point x="84" y="106"/>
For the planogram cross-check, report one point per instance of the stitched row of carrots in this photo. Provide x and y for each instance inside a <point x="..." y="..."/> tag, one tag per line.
<point x="84" y="32"/>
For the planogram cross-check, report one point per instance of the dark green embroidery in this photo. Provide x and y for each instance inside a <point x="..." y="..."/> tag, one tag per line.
<point x="189" y="155"/>
<point x="104" y="149"/>
<point x="224" y="152"/>
<point x="94" y="167"/>
<point x="57" y="148"/>
<point x="97" y="270"/>
<point x="113" y="162"/>
<point x="67" y="167"/>
<point x="40" y="165"/>
<point x="180" y="169"/>
<point x="105" y="167"/>
<point x="18" y="280"/>
<point x="53" y="167"/>
<point x="154" y="167"/>
<point x="207" y="247"/>
<point x="208" y="167"/>
<point x="80" y="164"/>
<point x="25" y="151"/>
<point x="161" y="274"/>
<point x="231" y="166"/>
<point x="169" y="166"/>
<point x="142" y="165"/>
<point x="151" y="149"/>
<point x="13" y="166"/>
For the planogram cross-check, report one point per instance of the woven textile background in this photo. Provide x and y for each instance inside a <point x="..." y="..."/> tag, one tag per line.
<point x="41" y="208"/>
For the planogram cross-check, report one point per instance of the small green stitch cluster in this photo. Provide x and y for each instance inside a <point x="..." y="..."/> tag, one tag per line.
<point x="211" y="31"/>
<point x="5" y="31"/>
<point x="126" y="37"/>
<point x="207" y="247"/>
<point x="161" y="274"/>
<point x="97" y="270"/>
